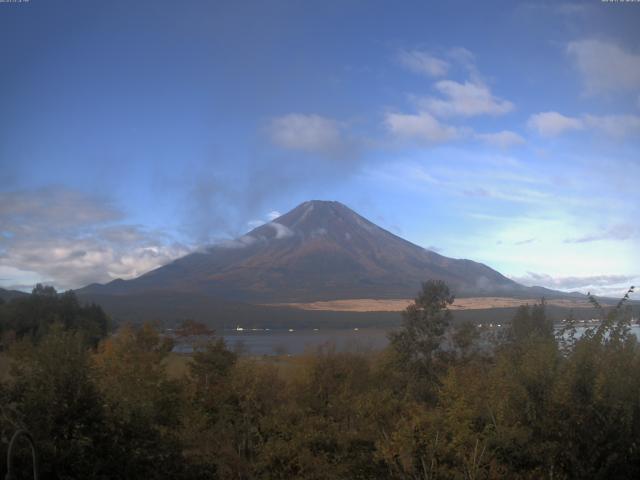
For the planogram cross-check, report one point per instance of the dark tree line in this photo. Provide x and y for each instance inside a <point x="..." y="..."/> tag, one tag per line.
<point x="33" y="316"/>
<point x="439" y="402"/>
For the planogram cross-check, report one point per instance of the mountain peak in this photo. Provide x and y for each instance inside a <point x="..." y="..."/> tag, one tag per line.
<point x="319" y="250"/>
<point x="323" y="215"/>
<point x="320" y="207"/>
<point x="320" y="203"/>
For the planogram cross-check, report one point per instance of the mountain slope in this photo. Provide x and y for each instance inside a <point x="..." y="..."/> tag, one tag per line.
<point x="7" y="295"/>
<point x="319" y="250"/>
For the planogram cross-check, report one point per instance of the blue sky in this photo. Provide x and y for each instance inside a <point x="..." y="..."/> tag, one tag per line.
<point x="505" y="132"/>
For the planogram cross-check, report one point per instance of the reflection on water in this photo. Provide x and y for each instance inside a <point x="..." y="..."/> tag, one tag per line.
<point x="294" y="342"/>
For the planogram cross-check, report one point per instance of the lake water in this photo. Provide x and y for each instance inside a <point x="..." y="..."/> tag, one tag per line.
<point x="295" y="342"/>
<point x="282" y="342"/>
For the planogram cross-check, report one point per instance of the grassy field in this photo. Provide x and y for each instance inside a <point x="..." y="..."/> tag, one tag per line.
<point x="397" y="305"/>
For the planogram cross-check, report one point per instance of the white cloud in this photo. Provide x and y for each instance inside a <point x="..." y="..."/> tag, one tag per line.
<point x="569" y="283"/>
<point x="424" y="63"/>
<point x="553" y="123"/>
<point x="571" y="9"/>
<point x="481" y="181"/>
<point x="308" y="133"/>
<point x="66" y="237"/>
<point x="550" y="124"/>
<point x="463" y="57"/>
<point x="422" y="126"/>
<point x="53" y="207"/>
<point x="467" y="99"/>
<point x="241" y="242"/>
<point x="614" y="125"/>
<point x="255" y="223"/>
<point x="282" y="231"/>
<point x="503" y="139"/>
<point x="605" y="66"/>
<point x="272" y="215"/>
<point x="617" y="232"/>
<point x="75" y="261"/>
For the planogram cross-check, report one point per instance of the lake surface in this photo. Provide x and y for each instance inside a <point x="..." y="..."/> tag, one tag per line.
<point x="295" y="342"/>
<point x="283" y="342"/>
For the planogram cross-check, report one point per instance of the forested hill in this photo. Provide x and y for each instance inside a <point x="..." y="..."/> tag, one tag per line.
<point x="10" y="294"/>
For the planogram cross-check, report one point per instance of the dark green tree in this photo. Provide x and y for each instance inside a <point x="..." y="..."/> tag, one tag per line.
<point x="531" y="321"/>
<point x="418" y="344"/>
<point x="32" y="316"/>
<point x="52" y="391"/>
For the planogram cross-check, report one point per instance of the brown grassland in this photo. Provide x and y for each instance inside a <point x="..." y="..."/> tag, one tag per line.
<point x="398" y="305"/>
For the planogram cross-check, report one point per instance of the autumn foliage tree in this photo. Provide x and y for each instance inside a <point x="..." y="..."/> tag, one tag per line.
<point x="443" y="401"/>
